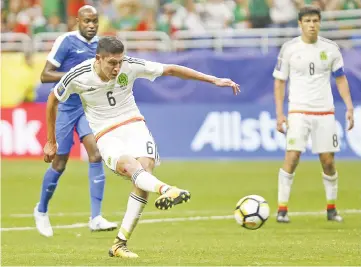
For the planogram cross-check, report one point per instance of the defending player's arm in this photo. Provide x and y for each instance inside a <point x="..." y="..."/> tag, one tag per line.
<point x="280" y="74"/>
<point x="55" y="58"/>
<point x="342" y="86"/>
<point x="61" y="92"/>
<point x="151" y="70"/>
<point x="51" y="110"/>
<point x="50" y="73"/>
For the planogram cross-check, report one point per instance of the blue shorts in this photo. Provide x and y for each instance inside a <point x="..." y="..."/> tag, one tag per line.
<point x="66" y="122"/>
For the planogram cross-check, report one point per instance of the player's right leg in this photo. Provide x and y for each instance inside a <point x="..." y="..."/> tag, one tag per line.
<point x="297" y="135"/>
<point x="170" y="195"/>
<point x="64" y="138"/>
<point x="285" y="180"/>
<point x="123" y="150"/>
<point x="130" y="151"/>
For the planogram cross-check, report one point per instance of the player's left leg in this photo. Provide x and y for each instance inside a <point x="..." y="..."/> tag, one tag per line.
<point x="325" y="143"/>
<point x="330" y="181"/>
<point x="96" y="177"/>
<point x="136" y="203"/>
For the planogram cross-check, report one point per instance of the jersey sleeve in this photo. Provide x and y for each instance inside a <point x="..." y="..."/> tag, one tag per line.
<point x="337" y="64"/>
<point x="66" y="86"/>
<point x="59" y="51"/>
<point x="146" y="69"/>
<point x="282" y="68"/>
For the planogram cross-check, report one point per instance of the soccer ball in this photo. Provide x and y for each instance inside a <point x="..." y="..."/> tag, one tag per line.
<point x="252" y="212"/>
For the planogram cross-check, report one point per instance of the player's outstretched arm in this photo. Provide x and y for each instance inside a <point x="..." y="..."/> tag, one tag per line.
<point x="187" y="73"/>
<point x="344" y="90"/>
<point x="279" y="92"/>
<point x="51" y="110"/>
<point x="49" y="73"/>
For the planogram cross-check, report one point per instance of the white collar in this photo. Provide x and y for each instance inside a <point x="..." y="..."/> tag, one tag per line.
<point x="315" y="43"/>
<point x="81" y="38"/>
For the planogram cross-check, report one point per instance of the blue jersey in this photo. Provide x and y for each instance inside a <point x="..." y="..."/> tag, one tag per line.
<point x="69" y="50"/>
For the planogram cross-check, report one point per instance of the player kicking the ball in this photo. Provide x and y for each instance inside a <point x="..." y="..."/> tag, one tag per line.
<point x="105" y="86"/>
<point x="308" y="62"/>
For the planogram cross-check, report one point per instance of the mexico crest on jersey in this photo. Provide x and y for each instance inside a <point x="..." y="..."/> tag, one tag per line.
<point x="123" y="79"/>
<point x="323" y="55"/>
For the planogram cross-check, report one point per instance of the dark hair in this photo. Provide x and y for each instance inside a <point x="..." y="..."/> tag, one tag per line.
<point x="111" y="45"/>
<point x="309" y="10"/>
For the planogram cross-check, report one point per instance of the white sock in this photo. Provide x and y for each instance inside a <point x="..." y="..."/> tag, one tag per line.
<point x="285" y="181"/>
<point x="148" y="182"/>
<point x="134" y="211"/>
<point x="331" y="187"/>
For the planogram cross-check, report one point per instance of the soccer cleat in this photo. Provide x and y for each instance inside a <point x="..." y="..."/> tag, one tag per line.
<point x="332" y="215"/>
<point x="282" y="217"/>
<point x="173" y="196"/>
<point x="101" y="224"/>
<point x="42" y="222"/>
<point x="120" y="249"/>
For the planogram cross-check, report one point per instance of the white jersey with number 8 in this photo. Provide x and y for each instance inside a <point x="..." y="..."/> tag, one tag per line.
<point x="308" y="68"/>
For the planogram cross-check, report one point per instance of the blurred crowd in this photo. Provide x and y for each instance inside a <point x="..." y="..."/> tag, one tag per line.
<point x="34" y="16"/>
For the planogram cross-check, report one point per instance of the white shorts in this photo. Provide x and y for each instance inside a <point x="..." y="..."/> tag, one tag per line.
<point x="323" y="130"/>
<point x="133" y="139"/>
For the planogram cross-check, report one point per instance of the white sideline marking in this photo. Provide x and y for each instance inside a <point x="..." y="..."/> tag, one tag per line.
<point x="181" y="219"/>
<point x="79" y="214"/>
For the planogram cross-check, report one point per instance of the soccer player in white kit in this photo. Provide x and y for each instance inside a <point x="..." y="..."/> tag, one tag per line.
<point x="308" y="61"/>
<point x="105" y="86"/>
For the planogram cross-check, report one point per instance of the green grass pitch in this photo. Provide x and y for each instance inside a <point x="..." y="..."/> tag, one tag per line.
<point x="196" y="238"/>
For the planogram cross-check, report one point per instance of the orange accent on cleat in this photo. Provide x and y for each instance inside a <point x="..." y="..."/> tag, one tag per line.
<point x="282" y="208"/>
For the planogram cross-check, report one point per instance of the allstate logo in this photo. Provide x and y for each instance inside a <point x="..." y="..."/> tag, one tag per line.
<point x="354" y="136"/>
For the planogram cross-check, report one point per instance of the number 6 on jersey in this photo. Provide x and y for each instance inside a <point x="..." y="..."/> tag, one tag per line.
<point x="111" y="99"/>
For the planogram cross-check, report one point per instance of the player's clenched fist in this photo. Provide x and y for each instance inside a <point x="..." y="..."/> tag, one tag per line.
<point x="350" y="119"/>
<point x="49" y="151"/>
<point x="281" y="120"/>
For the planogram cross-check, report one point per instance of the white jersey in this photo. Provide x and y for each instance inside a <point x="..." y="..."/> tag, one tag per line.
<point x="107" y="104"/>
<point x="309" y="67"/>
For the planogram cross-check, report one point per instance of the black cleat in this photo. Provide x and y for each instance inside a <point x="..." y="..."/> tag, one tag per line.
<point x="332" y="215"/>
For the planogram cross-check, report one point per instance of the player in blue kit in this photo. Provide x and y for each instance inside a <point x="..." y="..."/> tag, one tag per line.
<point x="69" y="50"/>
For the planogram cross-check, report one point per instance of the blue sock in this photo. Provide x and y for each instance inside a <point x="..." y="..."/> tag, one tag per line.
<point x="97" y="181"/>
<point x="50" y="181"/>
